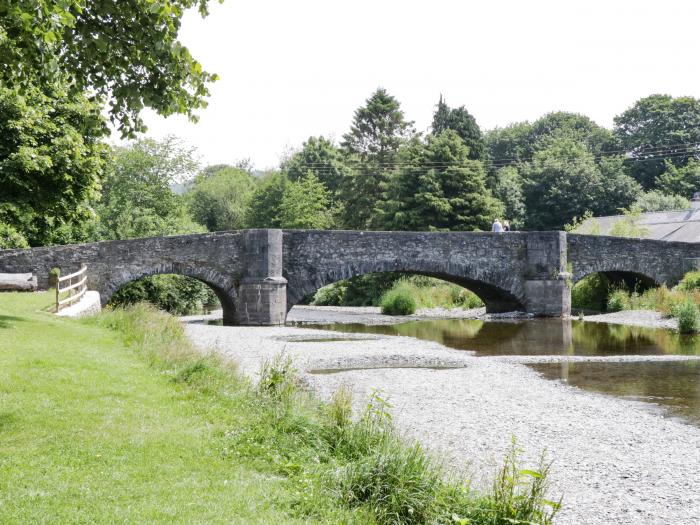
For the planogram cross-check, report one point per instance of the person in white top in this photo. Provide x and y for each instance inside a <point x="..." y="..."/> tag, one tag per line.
<point x="497" y="226"/>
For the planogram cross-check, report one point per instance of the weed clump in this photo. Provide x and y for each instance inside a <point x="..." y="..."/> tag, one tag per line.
<point x="618" y="301"/>
<point x="398" y="301"/>
<point x="688" y="317"/>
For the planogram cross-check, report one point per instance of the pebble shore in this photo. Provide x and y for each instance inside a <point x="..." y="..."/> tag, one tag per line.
<point x="615" y="461"/>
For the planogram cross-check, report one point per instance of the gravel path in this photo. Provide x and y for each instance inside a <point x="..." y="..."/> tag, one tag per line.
<point x="615" y="461"/>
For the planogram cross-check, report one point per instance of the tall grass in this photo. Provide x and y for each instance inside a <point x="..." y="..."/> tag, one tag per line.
<point x="345" y="469"/>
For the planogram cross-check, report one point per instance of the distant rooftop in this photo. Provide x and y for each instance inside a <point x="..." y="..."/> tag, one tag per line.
<point x="677" y="225"/>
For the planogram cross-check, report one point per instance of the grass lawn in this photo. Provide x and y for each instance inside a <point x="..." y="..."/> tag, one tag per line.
<point x="90" y="432"/>
<point x="118" y="419"/>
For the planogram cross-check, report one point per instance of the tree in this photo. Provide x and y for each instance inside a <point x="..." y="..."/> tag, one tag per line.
<point x="463" y="123"/>
<point x="438" y="187"/>
<point x="680" y="181"/>
<point x="519" y="142"/>
<point x="137" y="200"/>
<point x="305" y="205"/>
<point x="220" y="200"/>
<point x="656" y="129"/>
<point x="126" y="51"/>
<point x="654" y="200"/>
<point x="378" y="130"/>
<point x="264" y="210"/>
<point x="561" y="182"/>
<point x="51" y="158"/>
<point x="321" y="157"/>
<point x="508" y="188"/>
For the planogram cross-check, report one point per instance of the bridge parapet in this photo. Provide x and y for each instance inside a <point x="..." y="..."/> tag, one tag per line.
<point x="259" y="274"/>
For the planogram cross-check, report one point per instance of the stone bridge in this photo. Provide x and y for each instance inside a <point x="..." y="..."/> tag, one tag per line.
<point x="258" y="275"/>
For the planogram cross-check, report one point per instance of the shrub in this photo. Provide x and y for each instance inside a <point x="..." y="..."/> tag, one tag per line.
<point x="331" y="295"/>
<point x="398" y="301"/>
<point x="688" y="317"/>
<point x="590" y="293"/>
<point x="690" y="282"/>
<point x="11" y="238"/>
<point x="618" y="300"/>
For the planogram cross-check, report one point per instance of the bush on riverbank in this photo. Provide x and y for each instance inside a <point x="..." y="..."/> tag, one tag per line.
<point x="398" y="301"/>
<point x="342" y="469"/>
<point x="688" y="316"/>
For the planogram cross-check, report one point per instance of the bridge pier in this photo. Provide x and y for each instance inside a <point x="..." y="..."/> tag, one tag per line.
<point x="547" y="284"/>
<point x="262" y="293"/>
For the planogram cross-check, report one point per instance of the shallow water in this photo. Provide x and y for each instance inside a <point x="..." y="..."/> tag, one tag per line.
<point x="673" y="385"/>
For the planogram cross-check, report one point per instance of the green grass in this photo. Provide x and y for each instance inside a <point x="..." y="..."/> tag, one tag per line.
<point x="92" y="433"/>
<point x="119" y="420"/>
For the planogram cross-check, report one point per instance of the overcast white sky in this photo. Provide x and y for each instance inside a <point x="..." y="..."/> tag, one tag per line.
<point x="292" y="69"/>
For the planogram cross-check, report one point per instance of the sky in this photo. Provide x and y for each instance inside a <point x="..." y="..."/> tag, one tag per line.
<point x="291" y="70"/>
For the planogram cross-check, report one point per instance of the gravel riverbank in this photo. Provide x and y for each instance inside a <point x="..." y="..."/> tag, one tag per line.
<point x="615" y="461"/>
<point x="645" y="318"/>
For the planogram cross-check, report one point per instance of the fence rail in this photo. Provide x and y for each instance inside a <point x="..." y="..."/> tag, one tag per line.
<point x="75" y="285"/>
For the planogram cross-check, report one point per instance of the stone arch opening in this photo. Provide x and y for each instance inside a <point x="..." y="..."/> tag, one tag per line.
<point x="495" y="299"/>
<point x="591" y="290"/>
<point x="222" y="287"/>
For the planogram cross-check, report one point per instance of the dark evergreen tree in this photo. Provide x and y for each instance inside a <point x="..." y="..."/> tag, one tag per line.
<point x="438" y="187"/>
<point x="371" y="146"/>
<point x="463" y="123"/>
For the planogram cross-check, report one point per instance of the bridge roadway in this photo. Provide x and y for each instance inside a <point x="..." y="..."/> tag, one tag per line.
<point x="258" y="275"/>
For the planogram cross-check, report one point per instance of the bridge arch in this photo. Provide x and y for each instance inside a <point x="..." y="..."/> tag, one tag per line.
<point x="223" y="286"/>
<point x="506" y="296"/>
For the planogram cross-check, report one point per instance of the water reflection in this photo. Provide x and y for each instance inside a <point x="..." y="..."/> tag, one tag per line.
<point x="672" y="384"/>
<point x="536" y="337"/>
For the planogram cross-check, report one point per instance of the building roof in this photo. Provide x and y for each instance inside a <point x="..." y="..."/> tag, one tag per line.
<point x="678" y="225"/>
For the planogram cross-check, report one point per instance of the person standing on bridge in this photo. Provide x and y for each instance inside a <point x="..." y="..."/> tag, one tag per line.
<point x="506" y="226"/>
<point x="497" y="226"/>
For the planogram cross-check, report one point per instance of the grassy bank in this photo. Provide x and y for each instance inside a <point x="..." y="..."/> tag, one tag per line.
<point x="597" y="293"/>
<point x="118" y="419"/>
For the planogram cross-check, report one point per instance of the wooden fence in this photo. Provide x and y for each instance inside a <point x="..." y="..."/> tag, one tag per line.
<point x="76" y="286"/>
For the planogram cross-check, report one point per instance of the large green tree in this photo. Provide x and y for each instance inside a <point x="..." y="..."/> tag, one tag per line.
<point x="463" y="123"/>
<point x="321" y="157"/>
<point x="264" y="210"/>
<point x="438" y="187"/>
<point x="220" y="200"/>
<point x="519" y="142"/>
<point x="137" y="199"/>
<point x="306" y="204"/>
<point x="125" y="51"/>
<point x="51" y="158"/>
<point x="657" y="129"/>
<point x="564" y="181"/>
<point x="371" y="147"/>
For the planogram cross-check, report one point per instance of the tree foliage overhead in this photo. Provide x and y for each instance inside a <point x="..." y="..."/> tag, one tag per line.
<point x="51" y="158"/>
<point x="463" y="123"/>
<point x="438" y="187"/>
<point x="656" y="129"/>
<point x="124" y="50"/>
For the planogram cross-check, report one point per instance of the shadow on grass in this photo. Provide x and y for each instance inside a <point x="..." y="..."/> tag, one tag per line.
<point x="6" y="320"/>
